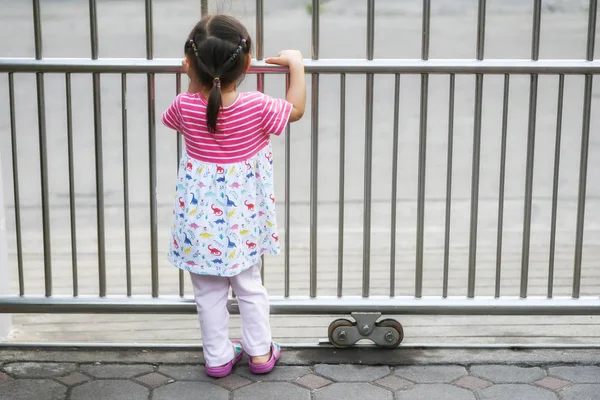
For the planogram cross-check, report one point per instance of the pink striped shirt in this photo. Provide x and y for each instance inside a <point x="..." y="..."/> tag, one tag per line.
<point x="243" y="128"/>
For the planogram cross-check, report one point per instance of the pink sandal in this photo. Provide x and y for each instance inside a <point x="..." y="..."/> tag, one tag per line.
<point x="225" y="370"/>
<point x="267" y="367"/>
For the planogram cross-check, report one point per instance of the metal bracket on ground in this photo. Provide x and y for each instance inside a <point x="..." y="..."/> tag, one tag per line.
<point x="346" y="333"/>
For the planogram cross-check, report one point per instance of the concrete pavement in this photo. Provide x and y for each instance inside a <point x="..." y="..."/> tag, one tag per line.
<point x="402" y="374"/>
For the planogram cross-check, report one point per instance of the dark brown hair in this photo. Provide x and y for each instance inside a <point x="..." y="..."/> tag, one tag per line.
<point x="220" y="46"/>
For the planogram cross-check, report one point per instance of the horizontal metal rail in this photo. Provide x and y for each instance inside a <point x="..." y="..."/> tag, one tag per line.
<point x="321" y="66"/>
<point x="306" y="305"/>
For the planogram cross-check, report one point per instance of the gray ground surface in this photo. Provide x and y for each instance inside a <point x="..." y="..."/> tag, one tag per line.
<point x="406" y="374"/>
<point x="287" y="25"/>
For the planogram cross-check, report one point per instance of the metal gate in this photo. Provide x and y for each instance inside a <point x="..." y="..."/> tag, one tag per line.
<point x="366" y="307"/>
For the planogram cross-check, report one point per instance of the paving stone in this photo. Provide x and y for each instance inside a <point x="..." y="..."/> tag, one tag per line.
<point x="552" y="383"/>
<point x="38" y="370"/>
<point x="4" y="377"/>
<point x="190" y="391"/>
<point x="577" y="374"/>
<point x="581" y="392"/>
<point x="394" y="383"/>
<point x="352" y="373"/>
<point x="508" y="373"/>
<point x="110" y="389"/>
<point x="270" y="391"/>
<point x="74" y="378"/>
<point x="312" y="381"/>
<point x="279" y="374"/>
<point x="233" y="382"/>
<point x="32" y="389"/>
<point x="116" y="371"/>
<point x="436" y="392"/>
<point x="515" y="392"/>
<point x="353" y="390"/>
<point x="186" y="372"/>
<point x="472" y="383"/>
<point x="154" y="380"/>
<point x="431" y="373"/>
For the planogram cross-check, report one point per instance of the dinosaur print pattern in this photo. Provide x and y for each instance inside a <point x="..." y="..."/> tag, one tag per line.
<point x="224" y="215"/>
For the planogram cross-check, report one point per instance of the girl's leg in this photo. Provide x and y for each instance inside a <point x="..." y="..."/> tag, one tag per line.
<point x="254" y="308"/>
<point x="211" y="301"/>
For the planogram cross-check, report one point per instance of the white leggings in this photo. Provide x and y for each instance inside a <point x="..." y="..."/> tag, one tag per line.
<point x="211" y="294"/>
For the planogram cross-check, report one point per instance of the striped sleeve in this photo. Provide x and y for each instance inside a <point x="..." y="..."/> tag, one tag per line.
<point x="171" y="118"/>
<point x="275" y="115"/>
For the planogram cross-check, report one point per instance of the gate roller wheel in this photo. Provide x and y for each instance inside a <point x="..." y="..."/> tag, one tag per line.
<point x="333" y="326"/>
<point x="395" y="325"/>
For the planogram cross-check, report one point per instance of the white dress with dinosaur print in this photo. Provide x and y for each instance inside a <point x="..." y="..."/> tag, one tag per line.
<point x="224" y="216"/>
<point x="224" y="213"/>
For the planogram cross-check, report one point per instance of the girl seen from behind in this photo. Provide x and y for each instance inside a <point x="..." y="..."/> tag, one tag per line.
<point x="224" y="215"/>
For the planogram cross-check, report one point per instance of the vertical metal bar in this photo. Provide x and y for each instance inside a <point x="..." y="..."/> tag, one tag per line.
<point x="314" y="176"/>
<point x="179" y="148"/>
<point x="476" y="153"/>
<point x="536" y="30"/>
<point x="591" y="34"/>
<point x="370" y="29"/>
<point x="425" y="29"/>
<point x="395" y="146"/>
<point x="559" y="118"/>
<point x="260" y="39"/>
<point x="341" y="187"/>
<point x="475" y="186"/>
<point x="314" y="153"/>
<point x="315" y="29"/>
<point x="152" y="151"/>
<point x="260" y="34"/>
<point x="421" y="185"/>
<point x="41" y="104"/>
<point x="93" y="29"/>
<point x="583" y="165"/>
<point x="99" y="186"/>
<point x="422" y="151"/>
<point x="72" y="207"/>
<point x="368" y="154"/>
<point x="126" y="182"/>
<point x="500" y="230"/>
<point x="585" y="140"/>
<point x="481" y="16"/>
<point x="98" y="152"/>
<point x="37" y="30"/>
<point x="451" y="97"/>
<point x="288" y="183"/>
<point x="203" y="8"/>
<point x="149" y="30"/>
<point x="367" y="188"/>
<point x="16" y="192"/>
<point x="533" y="94"/>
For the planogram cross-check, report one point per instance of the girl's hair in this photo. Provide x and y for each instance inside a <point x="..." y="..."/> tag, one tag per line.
<point x="220" y="47"/>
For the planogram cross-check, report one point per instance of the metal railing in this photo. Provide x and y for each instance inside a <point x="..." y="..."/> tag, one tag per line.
<point x="417" y="303"/>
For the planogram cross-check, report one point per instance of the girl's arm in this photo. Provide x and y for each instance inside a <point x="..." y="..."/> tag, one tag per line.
<point x="296" y="94"/>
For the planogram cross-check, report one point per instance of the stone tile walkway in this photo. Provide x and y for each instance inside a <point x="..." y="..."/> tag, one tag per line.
<point x="154" y="379"/>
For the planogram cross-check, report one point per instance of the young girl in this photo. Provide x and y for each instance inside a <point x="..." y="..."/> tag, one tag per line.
<point x="224" y="216"/>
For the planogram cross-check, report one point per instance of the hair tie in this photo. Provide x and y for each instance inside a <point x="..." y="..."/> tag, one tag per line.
<point x="217" y="82"/>
<point x="238" y="50"/>
<point x="194" y="48"/>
